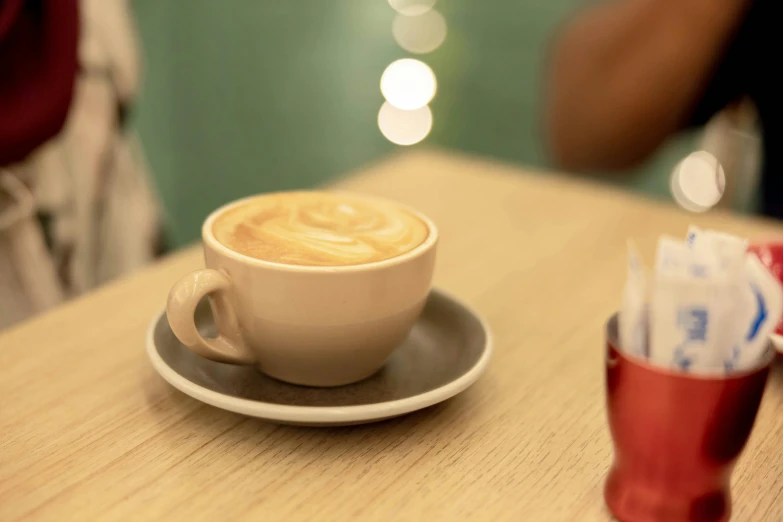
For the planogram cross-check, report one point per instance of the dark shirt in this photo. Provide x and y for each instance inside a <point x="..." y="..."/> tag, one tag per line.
<point x="748" y="69"/>
<point x="38" y="55"/>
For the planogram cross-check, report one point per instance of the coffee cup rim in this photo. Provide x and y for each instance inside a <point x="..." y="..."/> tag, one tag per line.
<point x="209" y="238"/>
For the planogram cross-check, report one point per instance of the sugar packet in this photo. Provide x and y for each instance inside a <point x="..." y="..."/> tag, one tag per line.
<point x="712" y="305"/>
<point x="767" y="296"/>
<point x="676" y="259"/>
<point x="633" y="310"/>
<point x="729" y="250"/>
<point x="730" y="253"/>
<point x="689" y="308"/>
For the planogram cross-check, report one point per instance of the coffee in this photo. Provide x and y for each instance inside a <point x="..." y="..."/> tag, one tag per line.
<point x="315" y="310"/>
<point x="319" y="229"/>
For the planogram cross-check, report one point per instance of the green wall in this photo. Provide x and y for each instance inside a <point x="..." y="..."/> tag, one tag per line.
<point x="246" y="96"/>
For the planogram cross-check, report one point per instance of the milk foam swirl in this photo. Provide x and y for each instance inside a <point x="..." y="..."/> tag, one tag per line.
<point x="319" y="228"/>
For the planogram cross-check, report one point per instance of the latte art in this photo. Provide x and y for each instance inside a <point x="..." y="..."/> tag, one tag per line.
<point x="319" y="229"/>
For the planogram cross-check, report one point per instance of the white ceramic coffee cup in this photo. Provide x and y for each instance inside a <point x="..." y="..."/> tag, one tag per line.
<point x="308" y="325"/>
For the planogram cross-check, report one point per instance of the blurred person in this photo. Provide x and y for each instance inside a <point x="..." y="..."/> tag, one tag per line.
<point x="625" y="75"/>
<point x="76" y="207"/>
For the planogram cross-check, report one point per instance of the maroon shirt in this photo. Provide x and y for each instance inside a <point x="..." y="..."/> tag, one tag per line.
<point x="38" y="64"/>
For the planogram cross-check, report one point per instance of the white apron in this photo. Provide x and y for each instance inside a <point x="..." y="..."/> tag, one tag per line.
<point x="80" y="211"/>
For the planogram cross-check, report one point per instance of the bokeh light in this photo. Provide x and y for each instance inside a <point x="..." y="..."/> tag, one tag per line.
<point x="419" y="34"/>
<point x="698" y="182"/>
<point x="412" y="7"/>
<point x="404" y="127"/>
<point x="408" y="84"/>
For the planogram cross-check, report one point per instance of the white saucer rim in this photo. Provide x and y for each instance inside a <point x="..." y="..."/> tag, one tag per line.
<point x="325" y="414"/>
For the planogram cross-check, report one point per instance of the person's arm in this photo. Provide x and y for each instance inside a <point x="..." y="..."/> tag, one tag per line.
<point x="627" y="74"/>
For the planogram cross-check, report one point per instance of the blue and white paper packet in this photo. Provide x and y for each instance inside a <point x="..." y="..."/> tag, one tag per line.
<point x="633" y="310"/>
<point x="688" y="308"/>
<point x="729" y="251"/>
<point x="764" y="291"/>
<point x="709" y="306"/>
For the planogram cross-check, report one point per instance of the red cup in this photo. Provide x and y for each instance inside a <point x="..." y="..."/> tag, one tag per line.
<point x="676" y="437"/>
<point x="771" y="255"/>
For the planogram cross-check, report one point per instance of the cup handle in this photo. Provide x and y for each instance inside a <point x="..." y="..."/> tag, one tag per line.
<point x="185" y="295"/>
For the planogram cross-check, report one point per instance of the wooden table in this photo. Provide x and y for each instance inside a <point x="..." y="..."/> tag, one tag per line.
<point x="88" y="431"/>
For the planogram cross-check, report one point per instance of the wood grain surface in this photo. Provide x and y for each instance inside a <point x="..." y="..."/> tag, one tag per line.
<point x="88" y="431"/>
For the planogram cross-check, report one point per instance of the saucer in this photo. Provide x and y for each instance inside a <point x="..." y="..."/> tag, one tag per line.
<point x="446" y="351"/>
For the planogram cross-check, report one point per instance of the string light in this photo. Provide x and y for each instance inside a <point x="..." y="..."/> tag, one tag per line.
<point x="403" y="127"/>
<point x="412" y="7"/>
<point x="408" y="85"/>
<point x="698" y="182"/>
<point x="419" y="34"/>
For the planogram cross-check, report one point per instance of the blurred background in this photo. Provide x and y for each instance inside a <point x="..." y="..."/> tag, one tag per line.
<point x="244" y="96"/>
<point x="179" y="107"/>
